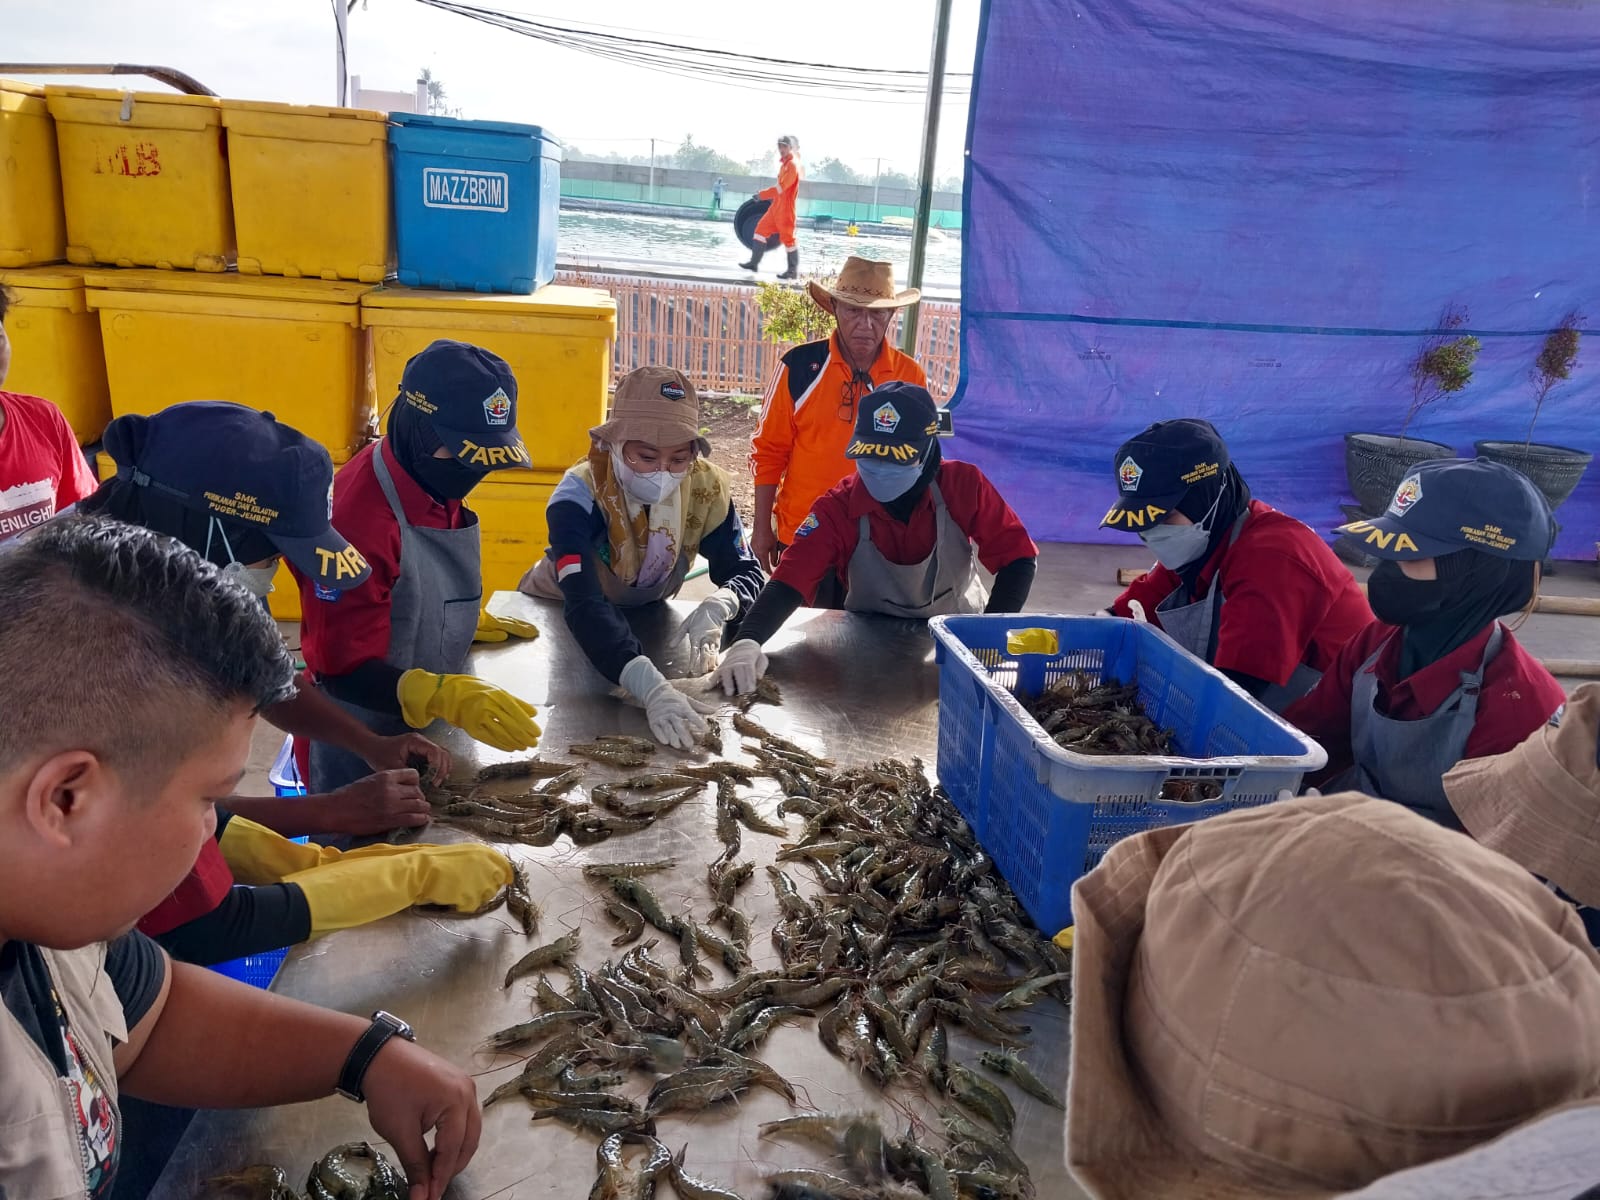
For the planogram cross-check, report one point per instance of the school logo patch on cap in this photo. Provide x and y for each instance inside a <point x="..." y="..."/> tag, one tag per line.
<point x="673" y="391"/>
<point x="497" y="407"/>
<point x="1407" y="494"/>
<point x="886" y="419"/>
<point x="1129" y="474"/>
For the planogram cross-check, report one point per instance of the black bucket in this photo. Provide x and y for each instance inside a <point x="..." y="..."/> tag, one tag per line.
<point x="746" y="220"/>
<point x="1555" y="470"/>
<point x="1377" y="462"/>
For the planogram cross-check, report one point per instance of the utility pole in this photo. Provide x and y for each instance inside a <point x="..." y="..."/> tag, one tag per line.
<point x="341" y="21"/>
<point x="652" y="170"/>
<point x="877" y="174"/>
<point x="930" y="146"/>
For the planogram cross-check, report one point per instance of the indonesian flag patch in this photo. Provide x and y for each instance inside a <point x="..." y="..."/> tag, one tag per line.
<point x="568" y="564"/>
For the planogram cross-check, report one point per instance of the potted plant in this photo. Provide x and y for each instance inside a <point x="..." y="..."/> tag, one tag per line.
<point x="1555" y="470"/>
<point x="1442" y="366"/>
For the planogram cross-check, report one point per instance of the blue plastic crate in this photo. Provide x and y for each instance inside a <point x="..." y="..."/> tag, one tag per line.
<point x="1047" y="815"/>
<point x="475" y="203"/>
<point x="258" y="970"/>
<point x="285" y="774"/>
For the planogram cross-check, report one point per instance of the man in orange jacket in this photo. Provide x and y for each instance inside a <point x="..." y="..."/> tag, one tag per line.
<point x="809" y="412"/>
<point x="777" y="223"/>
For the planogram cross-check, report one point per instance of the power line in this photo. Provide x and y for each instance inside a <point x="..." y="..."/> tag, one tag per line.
<point x="708" y="64"/>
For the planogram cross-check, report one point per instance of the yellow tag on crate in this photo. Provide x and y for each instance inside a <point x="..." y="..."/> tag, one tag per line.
<point x="1033" y="641"/>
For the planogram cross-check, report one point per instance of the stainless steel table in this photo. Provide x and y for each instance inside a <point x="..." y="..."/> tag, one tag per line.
<point x="857" y="688"/>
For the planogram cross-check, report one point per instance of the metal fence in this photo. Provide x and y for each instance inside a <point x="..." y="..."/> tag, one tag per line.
<point x="712" y="332"/>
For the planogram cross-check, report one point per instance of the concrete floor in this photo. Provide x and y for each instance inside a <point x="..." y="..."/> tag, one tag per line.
<point x="1081" y="579"/>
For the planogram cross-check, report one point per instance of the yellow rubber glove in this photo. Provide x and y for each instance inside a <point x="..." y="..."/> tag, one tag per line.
<point x="256" y="855"/>
<point x="490" y="714"/>
<point x="497" y="629"/>
<point x="357" y="889"/>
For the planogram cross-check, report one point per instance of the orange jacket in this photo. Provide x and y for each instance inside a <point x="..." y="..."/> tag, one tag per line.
<point x="779" y="218"/>
<point x="806" y="422"/>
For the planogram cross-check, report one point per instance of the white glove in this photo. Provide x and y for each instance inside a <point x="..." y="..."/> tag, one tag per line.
<point x="703" y="628"/>
<point x="672" y="718"/>
<point x="742" y="665"/>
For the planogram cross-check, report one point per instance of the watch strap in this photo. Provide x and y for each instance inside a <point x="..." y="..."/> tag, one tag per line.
<point x="352" y="1077"/>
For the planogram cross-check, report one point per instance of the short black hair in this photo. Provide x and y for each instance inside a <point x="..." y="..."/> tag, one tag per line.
<point x="120" y="641"/>
<point x="5" y="302"/>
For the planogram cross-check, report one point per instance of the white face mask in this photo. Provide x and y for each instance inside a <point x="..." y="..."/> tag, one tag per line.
<point x="1176" y="546"/>
<point x="646" y="487"/>
<point x="255" y="580"/>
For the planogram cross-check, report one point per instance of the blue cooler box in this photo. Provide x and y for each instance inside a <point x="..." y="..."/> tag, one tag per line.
<point x="475" y="203"/>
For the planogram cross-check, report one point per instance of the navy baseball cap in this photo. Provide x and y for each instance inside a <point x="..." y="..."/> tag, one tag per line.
<point x="1452" y="504"/>
<point x="469" y="396"/>
<point x="895" y="423"/>
<point x="245" y="466"/>
<point x="1155" y="469"/>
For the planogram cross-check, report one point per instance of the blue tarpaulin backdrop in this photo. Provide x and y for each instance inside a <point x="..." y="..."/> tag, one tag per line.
<point x="1249" y="211"/>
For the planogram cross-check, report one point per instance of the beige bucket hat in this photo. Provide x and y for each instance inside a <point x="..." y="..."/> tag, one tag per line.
<point x="865" y="283"/>
<point x="1539" y="804"/>
<point x="657" y="405"/>
<point x="1298" y="999"/>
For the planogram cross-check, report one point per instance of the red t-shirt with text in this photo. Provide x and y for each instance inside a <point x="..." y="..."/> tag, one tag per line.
<point x="42" y="471"/>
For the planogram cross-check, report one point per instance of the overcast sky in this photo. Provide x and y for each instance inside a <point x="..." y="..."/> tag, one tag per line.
<point x="284" y="50"/>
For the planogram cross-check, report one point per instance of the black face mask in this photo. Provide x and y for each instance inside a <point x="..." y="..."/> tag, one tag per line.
<point x="446" y="478"/>
<point x="1397" y="599"/>
<point x="414" y="441"/>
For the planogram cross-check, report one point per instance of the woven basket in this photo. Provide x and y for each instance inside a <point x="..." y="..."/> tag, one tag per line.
<point x="1377" y="462"/>
<point x="1555" y="470"/>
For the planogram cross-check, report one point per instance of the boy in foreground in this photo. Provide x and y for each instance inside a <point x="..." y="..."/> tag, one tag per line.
<point x="133" y="675"/>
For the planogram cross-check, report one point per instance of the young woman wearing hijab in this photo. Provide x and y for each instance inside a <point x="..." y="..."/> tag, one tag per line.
<point x="1238" y="584"/>
<point x="905" y="535"/>
<point x="627" y="523"/>
<point x="242" y="490"/>
<point x="1437" y="678"/>
<point x="389" y="648"/>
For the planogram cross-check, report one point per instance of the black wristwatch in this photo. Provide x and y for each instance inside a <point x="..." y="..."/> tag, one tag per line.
<point x="384" y="1026"/>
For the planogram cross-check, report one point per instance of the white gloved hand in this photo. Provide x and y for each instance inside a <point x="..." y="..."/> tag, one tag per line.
<point x="742" y="665"/>
<point x="703" y="628"/>
<point x="672" y="718"/>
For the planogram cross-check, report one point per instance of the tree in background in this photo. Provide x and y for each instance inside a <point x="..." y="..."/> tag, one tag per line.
<point x="438" y="98"/>
<point x="832" y="170"/>
<point x="691" y="156"/>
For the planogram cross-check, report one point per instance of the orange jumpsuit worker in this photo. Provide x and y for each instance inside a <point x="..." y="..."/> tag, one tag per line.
<point x="777" y="223"/>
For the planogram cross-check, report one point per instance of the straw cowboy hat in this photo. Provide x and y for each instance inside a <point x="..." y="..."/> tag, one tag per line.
<point x="864" y="283"/>
<point x="1539" y="804"/>
<point x="1299" y="999"/>
<point x="656" y="405"/>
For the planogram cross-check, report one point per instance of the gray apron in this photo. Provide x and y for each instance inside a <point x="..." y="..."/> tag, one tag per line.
<point x="943" y="583"/>
<point x="540" y="580"/>
<point x="1194" y="627"/>
<point x="1405" y="761"/>
<point x="433" y="615"/>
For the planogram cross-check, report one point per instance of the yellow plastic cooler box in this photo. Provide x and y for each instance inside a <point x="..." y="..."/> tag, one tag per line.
<point x="145" y="178"/>
<point x="32" y="227"/>
<point x="55" y="347"/>
<point x="310" y="190"/>
<point x="292" y="347"/>
<point x="514" y="533"/>
<point x="557" y="341"/>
